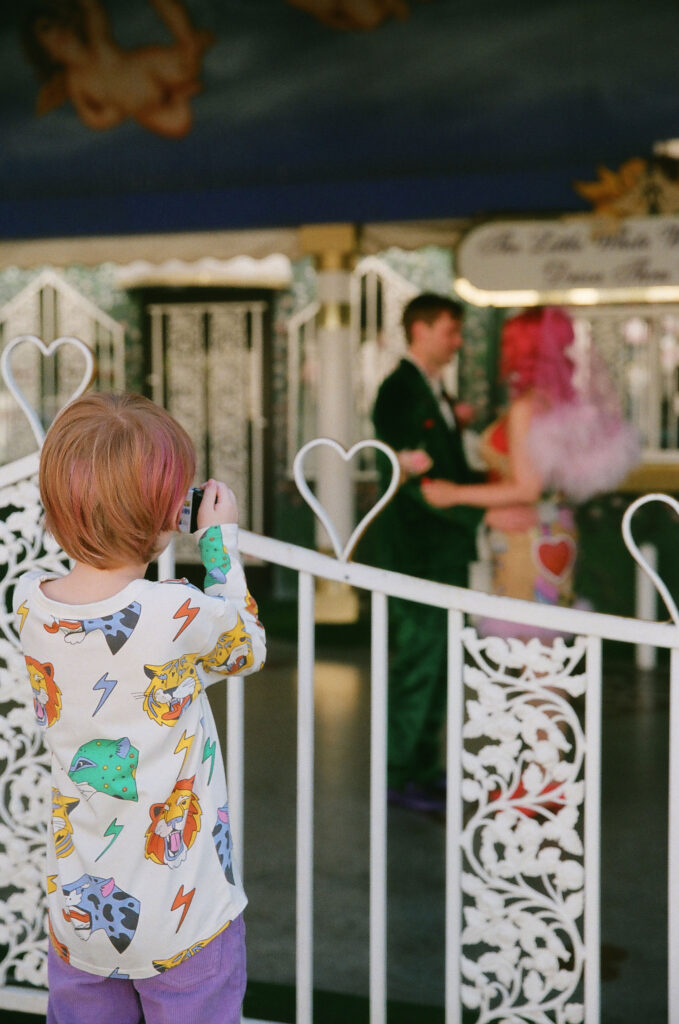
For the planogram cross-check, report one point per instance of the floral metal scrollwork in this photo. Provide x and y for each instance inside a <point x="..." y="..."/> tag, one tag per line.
<point x="523" y="856"/>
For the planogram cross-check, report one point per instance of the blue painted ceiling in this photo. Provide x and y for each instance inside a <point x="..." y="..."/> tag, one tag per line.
<point x="465" y="108"/>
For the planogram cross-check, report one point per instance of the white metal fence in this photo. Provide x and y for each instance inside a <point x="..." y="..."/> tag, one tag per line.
<point x="523" y="765"/>
<point x="511" y="920"/>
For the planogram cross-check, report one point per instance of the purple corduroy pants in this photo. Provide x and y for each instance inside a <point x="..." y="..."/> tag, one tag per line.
<point x="207" y="988"/>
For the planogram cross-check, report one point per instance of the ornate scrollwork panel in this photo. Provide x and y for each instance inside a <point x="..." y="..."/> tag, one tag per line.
<point x="205" y="357"/>
<point x="522" y="843"/>
<point x="24" y="773"/>
<point x="229" y="387"/>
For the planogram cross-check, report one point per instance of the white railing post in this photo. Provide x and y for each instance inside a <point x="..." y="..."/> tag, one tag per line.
<point x="592" y="844"/>
<point x="454" y="752"/>
<point x="235" y="755"/>
<point x="166" y="564"/>
<point x="305" y="798"/>
<point x="673" y="843"/>
<point x="378" y="809"/>
<point x="646" y="601"/>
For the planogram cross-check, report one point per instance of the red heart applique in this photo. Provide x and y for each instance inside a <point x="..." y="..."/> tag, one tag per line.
<point x="555" y="556"/>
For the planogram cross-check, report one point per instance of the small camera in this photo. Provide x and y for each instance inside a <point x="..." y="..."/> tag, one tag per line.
<point x="188" y="517"/>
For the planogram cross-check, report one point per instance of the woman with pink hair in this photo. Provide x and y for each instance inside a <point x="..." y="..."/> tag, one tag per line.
<point x="556" y="445"/>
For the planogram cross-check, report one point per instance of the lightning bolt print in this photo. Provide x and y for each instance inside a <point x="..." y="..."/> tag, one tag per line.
<point x="22" y="610"/>
<point x="51" y="883"/>
<point x="184" y="901"/>
<point x="185" y="612"/>
<point x="114" y="830"/>
<point x="209" y="752"/>
<point x="107" y="686"/>
<point x="185" y="744"/>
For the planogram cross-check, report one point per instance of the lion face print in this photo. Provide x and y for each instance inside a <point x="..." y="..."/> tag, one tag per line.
<point x="173" y="687"/>
<point x="185" y="954"/>
<point x="174" y="826"/>
<point x="98" y="903"/>
<point x="221" y="835"/>
<point x="116" y="628"/>
<point x="62" y="830"/>
<point x="46" y="693"/>
<point x="59" y="947"/>
<point x="251" y="607"/>
<point x="232" y="652"/>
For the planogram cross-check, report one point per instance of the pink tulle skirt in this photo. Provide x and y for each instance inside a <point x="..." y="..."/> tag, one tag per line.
<point x="581" y="449"/>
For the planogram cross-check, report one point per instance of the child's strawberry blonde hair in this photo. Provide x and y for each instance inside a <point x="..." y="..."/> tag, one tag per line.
<point x="114" y="469"/>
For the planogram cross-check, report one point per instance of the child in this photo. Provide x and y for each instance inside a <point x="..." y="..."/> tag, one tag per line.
<point x="145" y="902"/>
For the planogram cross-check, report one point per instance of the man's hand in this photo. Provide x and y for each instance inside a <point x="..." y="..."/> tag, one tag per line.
<point x="414" y="461"/>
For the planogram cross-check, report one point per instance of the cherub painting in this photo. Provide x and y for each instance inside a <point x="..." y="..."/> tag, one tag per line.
<point x="72" y="47"/>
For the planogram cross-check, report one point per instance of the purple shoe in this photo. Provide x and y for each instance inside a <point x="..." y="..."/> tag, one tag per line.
<point x="416" y="797"/>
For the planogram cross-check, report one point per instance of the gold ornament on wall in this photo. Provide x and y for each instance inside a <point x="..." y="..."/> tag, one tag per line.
<point x="639" y="187"/>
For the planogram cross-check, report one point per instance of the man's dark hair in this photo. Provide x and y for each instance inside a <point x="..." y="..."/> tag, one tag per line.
<point x="428" y="306"/>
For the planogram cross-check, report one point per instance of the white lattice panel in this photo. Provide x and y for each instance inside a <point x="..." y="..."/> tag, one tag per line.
<point x="640" y="348"/>
<point x="207" y="369"/>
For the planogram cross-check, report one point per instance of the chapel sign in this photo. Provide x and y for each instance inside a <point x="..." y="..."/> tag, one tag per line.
<point x="515" y="262"/>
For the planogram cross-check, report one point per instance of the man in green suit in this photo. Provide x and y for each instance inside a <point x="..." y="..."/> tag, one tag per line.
<point x="413" y="412"/>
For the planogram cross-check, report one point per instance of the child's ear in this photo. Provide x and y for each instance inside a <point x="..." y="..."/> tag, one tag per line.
<point x="175" y="519"/>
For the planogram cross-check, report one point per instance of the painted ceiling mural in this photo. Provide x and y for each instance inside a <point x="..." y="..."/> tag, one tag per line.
<point x="147" y="115"/>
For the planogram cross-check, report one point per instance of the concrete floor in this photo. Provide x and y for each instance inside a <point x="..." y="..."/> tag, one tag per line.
<point x="634" y="847"/>
<point x="634" y="861"/>
<point x="415" y="842"/>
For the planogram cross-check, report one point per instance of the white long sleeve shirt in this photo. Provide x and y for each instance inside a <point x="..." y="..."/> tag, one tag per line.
<point x="140" y="871"/>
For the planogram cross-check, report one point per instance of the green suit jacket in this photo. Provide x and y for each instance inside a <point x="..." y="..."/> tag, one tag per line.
<point x="410" y="535"/>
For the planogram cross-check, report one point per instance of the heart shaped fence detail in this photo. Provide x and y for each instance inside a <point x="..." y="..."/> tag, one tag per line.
<point x="47" y="350"/>
<point x="344" y="553"/>
<point x="634" y="550"/>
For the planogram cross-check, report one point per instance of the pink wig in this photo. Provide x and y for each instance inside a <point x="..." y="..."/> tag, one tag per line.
<point x="579" y="442"/>
<point x="534" y="353"/>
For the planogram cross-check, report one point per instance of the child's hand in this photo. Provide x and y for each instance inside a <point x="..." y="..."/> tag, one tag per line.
<point x="218" y="505"/>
